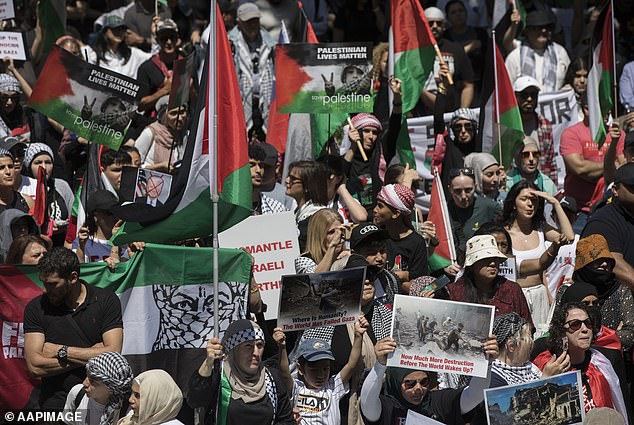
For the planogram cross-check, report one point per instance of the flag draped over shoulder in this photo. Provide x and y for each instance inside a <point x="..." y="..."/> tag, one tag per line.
<point x="445" y="253"/>
<point x="166" y="295"/>
<point x="411" y="59"/>
<point x="497" y="92"/>
<point x="188" y="211"/>
<point x="600" y="77"/>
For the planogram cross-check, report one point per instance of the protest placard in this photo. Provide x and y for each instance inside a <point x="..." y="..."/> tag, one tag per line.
<point x="272" y="241"/>
<point x="508" y="269"/>
<point x="554" y="400"/>
<point x="152" y="187"/>
<point x="323" y="78"/>
<point x="181" y="76"/>
<point x="414" y="418"/>
<point x="95" y="103"/>
<point x="320" y="299"/>
<point x="12" y="45"/>
<point x="7" y="10"/>
<point x="440" y="336"/>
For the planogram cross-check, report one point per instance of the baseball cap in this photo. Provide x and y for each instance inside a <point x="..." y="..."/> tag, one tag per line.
<point x="569" y="203"/>
<point x="434" y="13"/>
<point x="10" y="142"/>
<point x="524" y="82"/>
<point x="625" y="174"/>
<point x="113" y="21"/>
<point x="314" y="349"/>
<point x="366" y="232"/>
<point x="102" y="200"/>
<point x="356" y="260"/>
<point x="248" y="11"/>
<point x="228" y="5"/>
<point x="271" y="154"/>
<point x="166" y="25"/>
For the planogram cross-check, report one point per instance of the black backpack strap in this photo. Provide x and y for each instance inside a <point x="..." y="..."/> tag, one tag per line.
<point x="124" y="407"/>
<point x="80" y="395"/>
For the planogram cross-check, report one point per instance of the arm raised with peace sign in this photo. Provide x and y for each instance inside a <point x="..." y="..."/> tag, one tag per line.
<point x="86" y="110"/>
<point x="329" y="86"/>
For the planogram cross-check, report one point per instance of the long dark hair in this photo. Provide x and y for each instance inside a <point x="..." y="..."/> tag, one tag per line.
<point x="471" y="292"/>
<point x="19" y="245"/>
<point x="314" y="177"/>
<point x="101" y="47"/>
<point x="577" y="64"/>
<point x="557" y="330"/>
<point x="509" y="212"/>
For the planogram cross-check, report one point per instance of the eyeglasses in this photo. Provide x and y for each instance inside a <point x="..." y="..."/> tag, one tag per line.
<point x="575" y="325"/>
<point x="455" y="172"/>
<point x="530" y="93"/>
<point x="292" y="179"/>
<point x="411" y="383"/>
<point x="163" y="38"/>
<point x="371" y="130"/>
<point x="436" y="23"/>
<point x="15" y="98"/>
<point x="527" y="155"/>
<point x="458" y="127"/>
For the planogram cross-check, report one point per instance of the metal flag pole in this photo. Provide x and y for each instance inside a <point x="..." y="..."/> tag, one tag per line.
<point x="213" y="151"/>
<point x="495" y="91"/>
<point x="616" y="94"/>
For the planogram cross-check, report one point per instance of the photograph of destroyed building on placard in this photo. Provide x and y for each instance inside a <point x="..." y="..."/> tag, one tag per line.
<point x="320" y="299"/>
<point x="440" y="336"/>
<point x="550" y="401"/>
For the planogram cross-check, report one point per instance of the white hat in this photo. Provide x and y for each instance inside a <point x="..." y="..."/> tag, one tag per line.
<point x="481" y="247"/>
<point x="434" y="13"/>
<point x="248" y="11"/>
<point x="524" y="82"/>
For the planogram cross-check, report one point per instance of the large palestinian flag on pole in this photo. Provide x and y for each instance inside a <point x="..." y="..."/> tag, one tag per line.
<point x="601" y="75"/>
<point x="411" y="59"/>
<point x="499" y="102"/>
<point x="188" y="211"/>
<point x="445" y="253"/>
<point x="95" y="103"/>
<point x="166" y="295"/>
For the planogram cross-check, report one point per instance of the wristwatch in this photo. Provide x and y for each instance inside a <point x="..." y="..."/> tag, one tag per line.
<point x="62" y="353"/>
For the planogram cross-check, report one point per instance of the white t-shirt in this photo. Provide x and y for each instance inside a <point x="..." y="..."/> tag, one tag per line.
<point x="92" y="409"/>
<point x="514" y="66"/>
<point x="562" y="268"/>
<point x="115" y="62"/>
<point x="98" y="250"/>
<point x="320" y="407"/>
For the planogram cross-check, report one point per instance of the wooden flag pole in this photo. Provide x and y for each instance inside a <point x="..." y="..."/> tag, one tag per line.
<point x="442" y="62"/>
<point x="359" y="144"/>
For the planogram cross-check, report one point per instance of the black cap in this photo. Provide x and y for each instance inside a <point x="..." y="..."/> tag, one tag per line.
<point x="625" y="174"/>
<point x="271" y="154"/>
<point x="10" y="142"/>
<point x="228" y="5"/>
<point x="355" y="260"/>
<point x="539" y="18"/>
<point x="569" y="203"/>
<point x="102" y="200"/>
<point x="366" y="232"/>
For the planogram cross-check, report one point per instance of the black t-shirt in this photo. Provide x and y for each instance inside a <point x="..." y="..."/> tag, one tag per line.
<point x="466" y="221"/>
<point x="441" y="405"/>
<point x="83" y="328"/>
<point x="616" y="224"/>
<point x="408" y="254"/>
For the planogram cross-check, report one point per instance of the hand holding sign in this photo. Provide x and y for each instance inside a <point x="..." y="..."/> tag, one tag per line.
<point x="383" y="348"/>
<point x="329" y="86"/>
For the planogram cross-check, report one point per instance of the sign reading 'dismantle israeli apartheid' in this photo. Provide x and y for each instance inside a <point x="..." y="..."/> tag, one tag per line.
<point x="324" y="78"/>
<point x="95" y="103"/>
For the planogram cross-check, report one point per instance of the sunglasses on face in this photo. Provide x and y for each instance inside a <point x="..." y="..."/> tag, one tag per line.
<point x="411" y="383"/>
<point x="164" y="38"/>
<point x="435" y="23"/>
<point x="527" y="155"/>
<point x="455" y="172"/>
<point x="526" y="94"/>
<point x="15" y="98"/>
<point x="575" y="325"/>
<point x="458" y="127"/>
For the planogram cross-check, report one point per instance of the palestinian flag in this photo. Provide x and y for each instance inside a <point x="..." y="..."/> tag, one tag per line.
<point x="498" y="100"/>
<point x="52" y="15"/>
<point x="600" y="77"/>
<point x="445" y="253"/>
<point x="187" y="213"/>
<point x="277" y="127"/>
<point x="411" y="59"/>
<point x="502" y="10"/>
<point x="166" y="297"/>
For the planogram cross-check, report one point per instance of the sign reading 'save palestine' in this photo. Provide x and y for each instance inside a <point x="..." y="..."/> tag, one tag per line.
<point x="94" y="103"/>
<point x="272" y="242"/>
<point x="324" y="78"/>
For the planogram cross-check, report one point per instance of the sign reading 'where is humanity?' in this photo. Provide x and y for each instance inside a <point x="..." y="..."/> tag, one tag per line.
<point x="324" y="78"/>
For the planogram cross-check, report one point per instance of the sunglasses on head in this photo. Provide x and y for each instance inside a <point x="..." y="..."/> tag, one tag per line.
<point x="575" y="325"/>
<point x="455" y="172"/>
<point x="411" y="383"/>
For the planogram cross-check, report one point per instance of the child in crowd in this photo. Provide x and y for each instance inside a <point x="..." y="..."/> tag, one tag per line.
<point x="316" y="394"/>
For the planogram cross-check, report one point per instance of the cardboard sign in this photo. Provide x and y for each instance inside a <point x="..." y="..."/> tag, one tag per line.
<point x="12" y="45"/>
<point x="440" y="336"/>
<point x="324" y="78"/>
<point x="554" y="400"/>
<point x="6" y="9"/>
<point x="320" y="299"/>
<point x="508" y="269"/>
<point x="272" y="241"/>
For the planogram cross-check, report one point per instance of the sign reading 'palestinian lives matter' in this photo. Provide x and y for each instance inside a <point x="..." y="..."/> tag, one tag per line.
<point x="95" y="103"/>
<point x="324" y="78"/>
<point x="440" y="336"/>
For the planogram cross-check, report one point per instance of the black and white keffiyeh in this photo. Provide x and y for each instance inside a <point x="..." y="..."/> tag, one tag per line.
<point x="549" y="69"/>
<point x="241" y="331"/>
<point x="507" y="325"/>
<point x="113" y="370"/>
<point x="514" y="375"/>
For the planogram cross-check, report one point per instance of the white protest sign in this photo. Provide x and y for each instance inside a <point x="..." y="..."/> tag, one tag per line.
<point x="6" y="9"/>
<point x="414" y="418"/>
<point x="508" y="269"/>
<point x="272" y="241"/>
<point x="12" y="46"/>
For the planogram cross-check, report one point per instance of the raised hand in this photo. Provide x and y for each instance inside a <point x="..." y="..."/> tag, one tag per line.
<point x="329" y="86"/>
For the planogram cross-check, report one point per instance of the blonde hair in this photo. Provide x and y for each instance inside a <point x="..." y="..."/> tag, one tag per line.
<point x="318" y="226"/>
<point x="377" y="54"/>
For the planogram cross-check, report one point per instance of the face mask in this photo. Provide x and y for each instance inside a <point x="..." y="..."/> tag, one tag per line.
<point x="603" y="280"/>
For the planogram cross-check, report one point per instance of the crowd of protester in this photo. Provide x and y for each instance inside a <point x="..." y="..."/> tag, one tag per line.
<point x="570" y="236"/>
